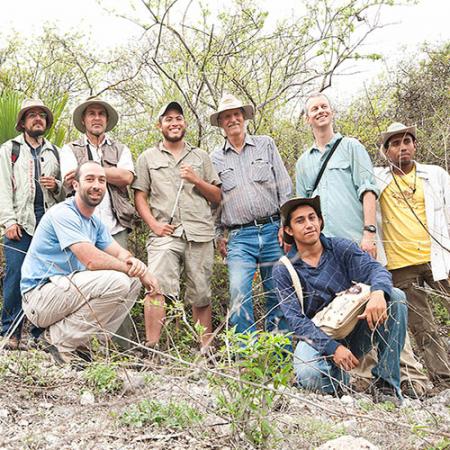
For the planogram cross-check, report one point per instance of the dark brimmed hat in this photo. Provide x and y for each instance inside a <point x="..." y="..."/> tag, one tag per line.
<point x="78" y="112"/>
<point x="287" y="208"/>
<point x="170" y="105"/>
<point x="31" y="103"/>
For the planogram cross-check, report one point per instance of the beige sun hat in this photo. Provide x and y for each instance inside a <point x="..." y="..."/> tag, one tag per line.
<point x="396" y="128"/>
<point x="28" y="104"/>
<point x="228" y="102"/>
<point x="113" y="117"/>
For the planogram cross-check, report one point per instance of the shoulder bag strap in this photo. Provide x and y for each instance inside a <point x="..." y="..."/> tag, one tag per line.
<point x="295" y="280"/>
<point x="324" y="165"/>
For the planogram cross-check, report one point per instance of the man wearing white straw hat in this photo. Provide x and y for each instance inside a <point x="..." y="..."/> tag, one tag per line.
<point x="94" y="118"/>
<point x="415" y="224"/>
<point x="175" y="186"/>
<point x="254" y="185"/>
<point x="30" y="183"/>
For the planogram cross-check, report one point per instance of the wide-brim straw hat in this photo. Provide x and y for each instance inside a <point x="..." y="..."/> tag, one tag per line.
<point x="228" y="102"/>
<point x="113" y="116"/>
<point x="293" y="203"/>
<point x="28" y="104"/>
<point x="396" y="128"/>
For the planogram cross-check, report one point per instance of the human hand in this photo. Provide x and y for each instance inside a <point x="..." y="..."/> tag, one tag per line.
<point x="150" y="283"/>
<point x="48" y="182"/>
<point x="163" y="229"/>
<point x="376" y="310"/>
<point x="68" y="180"/>
<point x="187" y="173"/>
<point x="222" y="246"/>
<point x="344" y="358"/>
<point x="14" y="232"/>
<point x="286" y="247"/>
<point x="369" y="244"/>
<point x="136" y="267"/>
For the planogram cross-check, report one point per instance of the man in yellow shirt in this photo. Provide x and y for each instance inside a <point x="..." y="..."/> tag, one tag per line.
<point x="415" y="218"/>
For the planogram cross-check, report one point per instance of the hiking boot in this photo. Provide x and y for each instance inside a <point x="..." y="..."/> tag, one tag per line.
<point x="383" y="392"/>
<point x="150" y="355"/>
<point x="412" y="389"/>
<point x="12" y="343"/>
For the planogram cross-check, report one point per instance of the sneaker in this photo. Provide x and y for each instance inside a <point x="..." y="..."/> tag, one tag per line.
<point x="383" y="392"/>
<point x="412" y="389"/>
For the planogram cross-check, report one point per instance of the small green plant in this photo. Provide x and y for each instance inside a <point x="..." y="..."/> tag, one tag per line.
<point x="261" y="358"/>
<point x="170" y="415"/>
<point x="103" y="378"/>
<point x="387" y="406"/>
<point x="443" y="444"/>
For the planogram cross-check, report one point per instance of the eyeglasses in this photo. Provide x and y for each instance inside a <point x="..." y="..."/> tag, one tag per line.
<point x="33" y="115"/>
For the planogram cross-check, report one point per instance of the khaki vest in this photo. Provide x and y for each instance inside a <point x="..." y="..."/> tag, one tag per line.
<point x="120" y="198"/>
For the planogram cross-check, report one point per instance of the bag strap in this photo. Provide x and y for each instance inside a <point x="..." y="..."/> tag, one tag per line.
<point x="295" y="280"/>
<point x="15" y="152"/>
<point x="324" y="165"/>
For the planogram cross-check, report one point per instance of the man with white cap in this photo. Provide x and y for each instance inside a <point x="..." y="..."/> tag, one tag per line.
<point x="30" y="183"/>
<point x="94" y="118"/>
<point x="415" y="224"/>
<point x="255" y="183"/>
<point x="175" y="186"/>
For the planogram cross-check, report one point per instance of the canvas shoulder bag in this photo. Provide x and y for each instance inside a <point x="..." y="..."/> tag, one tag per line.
<point x="340" y="317"/>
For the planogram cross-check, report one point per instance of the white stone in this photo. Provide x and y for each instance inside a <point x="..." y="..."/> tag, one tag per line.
<point x="87" y="398"/>
<point x="348" y="443"/>
<point x="4" y="413"/>
<point x="347" y="399"/>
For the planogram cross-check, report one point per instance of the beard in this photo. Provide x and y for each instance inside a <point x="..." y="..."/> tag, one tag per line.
<point x="35" y="133"/>
<point x="174" y="139"/>
<point x="84" y="195"/>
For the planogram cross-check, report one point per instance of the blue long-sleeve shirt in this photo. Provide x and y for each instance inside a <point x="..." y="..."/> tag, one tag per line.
<point x="341" y="263"/>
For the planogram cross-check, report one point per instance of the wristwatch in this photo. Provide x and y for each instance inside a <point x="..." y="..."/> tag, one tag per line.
<point x="370" y="228"/>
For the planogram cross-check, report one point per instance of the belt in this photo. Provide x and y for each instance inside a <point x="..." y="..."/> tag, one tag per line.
<point x="257" y="222"/>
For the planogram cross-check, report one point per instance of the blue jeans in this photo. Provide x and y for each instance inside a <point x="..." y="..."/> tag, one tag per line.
<point x="14" y="252"/>
<point x="250" y="248"/>
<point x="318" y="373"/>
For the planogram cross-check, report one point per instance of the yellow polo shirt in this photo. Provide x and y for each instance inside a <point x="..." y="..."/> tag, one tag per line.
<point x="405" y="241"/>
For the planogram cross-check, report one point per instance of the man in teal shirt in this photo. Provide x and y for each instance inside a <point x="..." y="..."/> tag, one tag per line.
<point x="347" y="189"/>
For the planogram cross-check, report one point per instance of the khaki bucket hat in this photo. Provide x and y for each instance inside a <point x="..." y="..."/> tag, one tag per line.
<point x="113" y="116"/>
<point x="228" y="102"/>
<point x="293" y="203"/>
<point x="396" y="128"/>
<point x="28" y="104"/>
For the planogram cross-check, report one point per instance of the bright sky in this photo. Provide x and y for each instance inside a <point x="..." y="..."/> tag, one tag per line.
<point x="412" y="25"/>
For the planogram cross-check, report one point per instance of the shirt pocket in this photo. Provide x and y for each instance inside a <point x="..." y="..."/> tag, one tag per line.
<point x="260" y="170"/>
<point x="338" y="164"/>
<point x="228" y="178"/>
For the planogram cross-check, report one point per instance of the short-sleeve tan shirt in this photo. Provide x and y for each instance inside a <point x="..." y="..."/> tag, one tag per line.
<point x="158" y="175"/>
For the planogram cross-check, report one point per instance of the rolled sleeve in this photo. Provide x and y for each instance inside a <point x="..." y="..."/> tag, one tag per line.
<point x="362" y="170"/>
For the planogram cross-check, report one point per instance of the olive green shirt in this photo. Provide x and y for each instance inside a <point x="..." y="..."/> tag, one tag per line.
<point x="158" y="175"/>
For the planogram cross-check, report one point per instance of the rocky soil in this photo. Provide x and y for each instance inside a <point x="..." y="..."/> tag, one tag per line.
<point x="43" y="406"/>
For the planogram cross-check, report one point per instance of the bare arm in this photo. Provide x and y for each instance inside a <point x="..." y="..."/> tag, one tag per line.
<point x="143" y="209"/>
<point x="119" y="177"/>
<point x="368" y="241"/>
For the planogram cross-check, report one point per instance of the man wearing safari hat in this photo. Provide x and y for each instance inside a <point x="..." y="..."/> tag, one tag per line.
<point x="326" y="266"/>
<point x="415" y="224"/>
<point x="175" y="187"/>
<point x="94" y="118"/>
<point x="254" y="185"/>
<point x="30" y="183"/>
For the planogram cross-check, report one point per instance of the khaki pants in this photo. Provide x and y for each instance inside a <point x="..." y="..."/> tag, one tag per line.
<point x="433" y="349"/>
<point x="410" y="367"/>
<point x="83" y="304"/>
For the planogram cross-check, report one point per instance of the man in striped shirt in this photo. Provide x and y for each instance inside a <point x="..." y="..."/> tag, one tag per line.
<point x="254" y="185"/>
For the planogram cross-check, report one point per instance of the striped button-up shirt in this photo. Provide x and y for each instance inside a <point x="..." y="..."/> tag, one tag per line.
<point x="255" y="182"/>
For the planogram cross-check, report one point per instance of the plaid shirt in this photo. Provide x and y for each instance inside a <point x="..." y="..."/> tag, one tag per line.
<point x="341" y="263"/>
